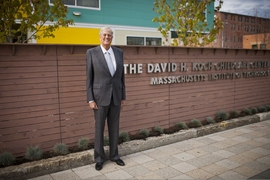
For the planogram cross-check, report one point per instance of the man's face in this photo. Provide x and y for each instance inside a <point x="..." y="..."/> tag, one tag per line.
<point x="106" y="38"/>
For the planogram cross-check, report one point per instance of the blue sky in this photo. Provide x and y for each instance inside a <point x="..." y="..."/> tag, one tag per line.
<point x="247" y="7"/>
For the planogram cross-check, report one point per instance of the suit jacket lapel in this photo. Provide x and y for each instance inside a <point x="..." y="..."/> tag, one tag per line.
<point x="117" y="58"/>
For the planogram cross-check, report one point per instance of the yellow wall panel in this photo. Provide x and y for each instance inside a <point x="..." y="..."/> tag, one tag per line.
<point x="73" y="35"/>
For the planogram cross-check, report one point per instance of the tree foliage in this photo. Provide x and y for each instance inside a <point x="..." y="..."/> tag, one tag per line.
<point x="31" y="16"/>
<point x="187" y="19"/>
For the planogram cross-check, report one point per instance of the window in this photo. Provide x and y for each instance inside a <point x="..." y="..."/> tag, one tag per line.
<point x="240" y="18"/>
<point x="144" y="41"/>
<point x="135" y="40"/>
<point x="262" y="46"/>
<point x="82" y="3"/>
<point x="254" y="46"/>
<point x="153" y="41"/>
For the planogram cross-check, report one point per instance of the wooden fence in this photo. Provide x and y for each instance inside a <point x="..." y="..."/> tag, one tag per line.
<point x="43" y="97"/>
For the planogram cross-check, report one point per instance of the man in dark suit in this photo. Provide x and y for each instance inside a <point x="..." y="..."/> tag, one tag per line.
<point x="105" y="86"/>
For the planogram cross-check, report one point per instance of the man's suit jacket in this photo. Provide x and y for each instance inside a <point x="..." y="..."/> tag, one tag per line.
<point x="100" y="85"/>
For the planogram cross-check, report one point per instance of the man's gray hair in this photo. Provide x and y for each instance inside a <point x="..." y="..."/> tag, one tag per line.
<point x="105" y="28"/>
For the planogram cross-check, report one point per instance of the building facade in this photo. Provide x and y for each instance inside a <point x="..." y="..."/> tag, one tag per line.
<point x="236" y="26"/>
<point x="130" y="20"/>
<point x="256" y="41"/>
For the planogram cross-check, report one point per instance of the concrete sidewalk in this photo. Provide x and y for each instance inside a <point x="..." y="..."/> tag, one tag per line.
<point x="239" y="153"/>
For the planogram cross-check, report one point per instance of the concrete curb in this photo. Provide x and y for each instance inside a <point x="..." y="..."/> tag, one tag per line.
<point x="59" y="163"/>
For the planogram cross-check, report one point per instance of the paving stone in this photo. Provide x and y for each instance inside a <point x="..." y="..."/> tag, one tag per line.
<point x="232" y="175"/>
<point x="183" y="156"/>
<point x="228" y="164"/>
<point x="167" y="172"/>
<point x="224" y="144"/>
<point x="184" y="167"/>
<point x="209" y="148"/>
<point x="205" y="140"/>
<point x="239" y="148"/>
<point x="265" y="160"/>
<point x="215" y="169"/>
<point x="240" y="159"/>
<point x="151" y="175"/>
<point x="154" y="165"/>
<point x="263" y="140"/>
<point x="224" y="154"/>
<point x="254" y="143"/>
<point x="266" y="146"/>
<point x="245" y="171"/>
<point x="137" y="170"/>
<point x="101" y="177"/>
<point x="128" y="162"/>
<point x="66" y="175"/>
<point x="119" y="174"/>
<point x="257" y="166"/>
<point x="197" y="152"/>
<point x="241" y="139"/>
<point x="260" y="150"/>
<point x="86" y="171"/>
<point x="244" y="130"/>
<point x="230" y="134"/>
<point x="199" y="162"/>
<point x="140" y="158"/>
<point x="199" y="174"/>
<point x="194" y="143"/>
<point x="169" y="150"/>
<point x="212" y="158"/>
<point x="216" y="178"/>
<point x="157" y="154"/>
<point x="252" y="155"/>
<point x="182" y="146"/>
<point x="169" y="160"/>
<point x="182" y="176"/>
<point x="216" y="137"/>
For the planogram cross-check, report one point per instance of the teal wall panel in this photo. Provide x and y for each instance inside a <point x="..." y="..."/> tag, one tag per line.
<point x="125" y="13"/>
<point x="118" y="12"/>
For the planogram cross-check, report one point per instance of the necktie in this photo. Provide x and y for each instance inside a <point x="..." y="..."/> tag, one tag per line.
<point x="109" y="63"/>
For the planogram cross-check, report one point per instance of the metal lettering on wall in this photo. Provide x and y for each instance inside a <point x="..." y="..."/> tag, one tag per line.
<point x="199" y="67"/>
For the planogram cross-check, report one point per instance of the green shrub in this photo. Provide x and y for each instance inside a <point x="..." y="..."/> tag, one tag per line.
<point x="262" y="109"/>
<point x="60" y="149"/>
<point x="83" y="143"/>
<point x="182" y="125"/>
<point x="234" y="114"/>
<point x="6" y="159"/>
<point x="124" y="136"/>
<point x="267" y="107"/>
<point x="144" y="132"/>
<point x="106" y="141"/>
<point x="210" y="120"/>
<point x="254" y="110"/>
<point x="221" y="116"/>
<point x="158" y="129"/>
<point x="33" y="153"/>
<point x="247" y="111"/>
<point x="196" y="123"/>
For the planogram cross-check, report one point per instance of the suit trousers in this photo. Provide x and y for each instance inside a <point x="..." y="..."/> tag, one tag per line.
<point x="112" y="114"/>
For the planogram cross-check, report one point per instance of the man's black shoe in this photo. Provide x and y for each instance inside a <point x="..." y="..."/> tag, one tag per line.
<point x="119" y="162"/>
<point x="98" y="166"/>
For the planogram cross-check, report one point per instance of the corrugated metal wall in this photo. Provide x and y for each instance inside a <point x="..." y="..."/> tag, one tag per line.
<point x="43" y="98"/>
